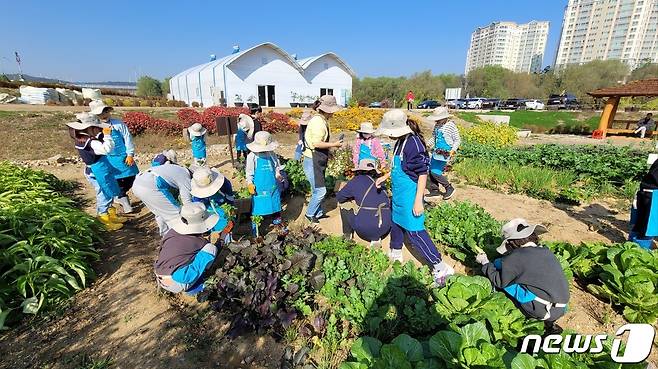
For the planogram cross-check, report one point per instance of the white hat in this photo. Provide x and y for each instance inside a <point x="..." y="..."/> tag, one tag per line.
<point x="197" y="129"/>
<point x="194" y="219"/>
<point x="170" y="155"/>
<point x="517" y="229"/>
<point x="394" y="124"/>
<point x="366" y="127"/>
<point x="439" y="113"/>
<point x="262" y="142"/>
<point x="246" y="121"/>
<point x="328" y="104"/>
<point x="206" y="182"/>
<point x="86" y="120"/>
<point x="367" y="165"/>
<point x="97" y="107"/>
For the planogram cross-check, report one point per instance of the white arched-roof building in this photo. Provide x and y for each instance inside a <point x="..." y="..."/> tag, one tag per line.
<point x="265" y="75"/>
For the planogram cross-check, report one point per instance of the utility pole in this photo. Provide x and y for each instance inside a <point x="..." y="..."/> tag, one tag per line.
<point x="20" y="70"/>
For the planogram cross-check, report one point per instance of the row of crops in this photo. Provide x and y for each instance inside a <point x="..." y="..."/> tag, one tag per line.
<point x="46" y="242"/>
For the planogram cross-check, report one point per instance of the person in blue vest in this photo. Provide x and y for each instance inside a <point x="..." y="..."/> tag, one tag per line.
<point x="367" y="146"/>
<point x="93" y="140"/>
<point x="529" y="274"/>
<point x="263" y="176"/>
<point x="163" y="189"/>
<point x="213" y="190"/>
<point x="196" y="134"/>
<point x="408" y="178"/>
<point x="244" y="135"/>
<point x="364" y="208"/>
<point x="644" y="214"/>
<point x="446" y="142"/>
<point x="185" y="253"/>
<point x="122" y="156"/>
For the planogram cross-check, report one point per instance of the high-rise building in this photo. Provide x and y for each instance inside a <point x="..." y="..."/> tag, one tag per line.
<point x="518" y="47"/>
<point x="609" y="29"/>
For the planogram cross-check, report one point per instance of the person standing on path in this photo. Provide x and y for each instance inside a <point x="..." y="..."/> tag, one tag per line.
<point x="645" y="124"/>
<point x="93" y="140"/>
<point x="316" y="155"/>
<point x="367" y="146"/>
<point x="197" y="134"/>
<point x="122" y="156"/>
<point x="244" y="135"/>
<point x="408" y="179"/>
<point x="446" y="142"/>
<point x="301" y="130"/>
<point x="410" y="100"/>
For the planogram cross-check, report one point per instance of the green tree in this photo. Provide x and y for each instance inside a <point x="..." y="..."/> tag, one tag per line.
<point x="647" y="70"/>
<point x="489" y="81"/>
<point x="148" y="86"/>
<point x="165" y="86"/>
<point x="581" y="79"/>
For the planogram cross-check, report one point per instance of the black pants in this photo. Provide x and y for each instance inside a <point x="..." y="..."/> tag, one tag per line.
<point x="435" y="181"/>
<point x="242" y="152"/>
<point x="410" y="105"/>
<point x="125" y="184"/>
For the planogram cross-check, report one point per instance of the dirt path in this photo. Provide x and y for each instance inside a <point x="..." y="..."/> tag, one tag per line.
<point x="123" y="317"/>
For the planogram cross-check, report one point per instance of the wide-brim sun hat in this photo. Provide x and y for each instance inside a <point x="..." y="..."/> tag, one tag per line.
<point x="366" y="127"/>
<point x="263" y="142"/>
<point x="394" y="124"/>
<point x="328" y="104"/>
<point x="305" y="118"/>
<point x="439" y="113"/>
<point x="366" y="165"/>
<point x="517" y="229"/>
<point x="197" y="129"/>
<point x="97" y="107"/>
<point x="86" y="120"/>
<point x="194" y="219"/>
<point x="246" y="121"/>
<point x="206" y="182"/>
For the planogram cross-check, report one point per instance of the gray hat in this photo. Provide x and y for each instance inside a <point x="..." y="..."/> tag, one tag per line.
<point x="194" y="219"/>
<point x="439" y="113"/>
<point x="328" y="104"/>
<point x="263" y="142"/>
<point x="366" y="127"/>
<point x="86" y="120"/>
<point x="197" y="129"/>
<point x="394" y="124"/>
<point x="517" y="229"/>
<point x="367" y="165"/>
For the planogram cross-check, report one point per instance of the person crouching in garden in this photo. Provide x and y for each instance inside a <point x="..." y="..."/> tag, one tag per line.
<point x="367" y="146"/>
<point x="446" y="142"/>
<point x="160" y="188"/>
<point x="408" y="178"/>
<point x="185" y="253"/>
<point x="196" y="134"/>
<point x="529" y="274"/>
<point x="213" y="189"/>
<point x="93" y="140"/>
<point x="122" y="156"/>
<point x="263" y="174"/>
<point x="365" y="208"/>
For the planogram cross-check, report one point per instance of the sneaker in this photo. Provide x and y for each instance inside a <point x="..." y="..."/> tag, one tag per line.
<point x="449" y="192"/>
<point x="440" y="272"/>
<point x="395" y="255"/>
<point x="313" y="220"/>
<point x="323" y="216"/>
<point x="432" y="196"/>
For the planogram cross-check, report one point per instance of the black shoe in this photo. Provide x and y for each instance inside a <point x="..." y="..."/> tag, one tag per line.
<point x="313" y="220"/>
<point x="449" y="192"/>
<point x="551" y="328"/>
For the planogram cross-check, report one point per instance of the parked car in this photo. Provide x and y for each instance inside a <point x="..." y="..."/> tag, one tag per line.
<point x="375" y="104"/>
<point x="452" y="103"/>
<point x="565" y="101"/>
<point x="474" y="103"/>
<point x="534" y="105"/>
<point x="513" y="104"/>
<point x="490" y="103"/>
<point x="428" y="104"/>
<point x="457" y="104"/>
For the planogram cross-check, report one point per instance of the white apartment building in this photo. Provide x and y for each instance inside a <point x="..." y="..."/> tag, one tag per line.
<point x="518" y="47"/>
<point x="609" y="29"/>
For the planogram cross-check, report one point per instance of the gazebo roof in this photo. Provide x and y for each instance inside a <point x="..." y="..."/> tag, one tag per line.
<point x="644" y="87"/>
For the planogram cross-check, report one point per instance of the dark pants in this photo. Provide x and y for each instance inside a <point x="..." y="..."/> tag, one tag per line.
<point x="241" y="152"/>
<point x="419" y="240"/>
<point x="125" y="184"/>
<point x="435" y="181"/>
<point x="410" y="105"/>
<point x="348" y="220"/>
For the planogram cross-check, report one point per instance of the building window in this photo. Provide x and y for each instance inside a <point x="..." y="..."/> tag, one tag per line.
<point x="326" y="91"/>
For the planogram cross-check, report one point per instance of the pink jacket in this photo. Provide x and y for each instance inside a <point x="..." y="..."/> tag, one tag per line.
<point x="376" y="150"/>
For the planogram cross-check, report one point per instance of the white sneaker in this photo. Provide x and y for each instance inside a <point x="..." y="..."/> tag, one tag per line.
<point x="125" y="204"/>
<point x="395" y="255"/>
<point x="440" y="272"/>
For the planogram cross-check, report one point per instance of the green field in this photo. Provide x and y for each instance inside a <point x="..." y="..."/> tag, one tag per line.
<point x="540" y="121"/>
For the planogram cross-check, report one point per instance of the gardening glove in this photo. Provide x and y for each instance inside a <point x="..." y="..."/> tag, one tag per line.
<point x="107" y="130"/>
<point x="129" y="161"/>
<point x="482" y="258"/>
<point x="251" y="188"/>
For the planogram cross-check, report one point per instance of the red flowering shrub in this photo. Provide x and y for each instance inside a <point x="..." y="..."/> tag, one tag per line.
<point x="136" y="121"/>
<point x="274" y="122"/>
<point x="209" y="115"/>
<point x="189" y="116"/>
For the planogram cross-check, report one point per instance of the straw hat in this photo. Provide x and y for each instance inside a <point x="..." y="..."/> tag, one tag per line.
<point x="394" y="124"/>
<point x="262" y="142"/>
<point x="367" y="165"/>
<point x="194" y="219"/>
<point x="328" y="104"/>
<point x="206" y="182"/>
<point x="197" y="129"/>
<point x="517" y="229"/>
<point x="439" y="113"/>
<point x="305" y="118"/>
<point x="97" y="107"/>
<point x="86" y="120"/>
<point x="366" y="127"/>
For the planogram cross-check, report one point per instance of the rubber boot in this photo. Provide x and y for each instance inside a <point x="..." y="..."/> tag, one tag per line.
<point x="109" y="225"/>
<point x="114" y="218"/>
<point x="125" y="204"/>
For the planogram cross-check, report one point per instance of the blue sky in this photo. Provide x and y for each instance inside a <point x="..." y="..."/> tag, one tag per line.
<point x="116" y="40"/>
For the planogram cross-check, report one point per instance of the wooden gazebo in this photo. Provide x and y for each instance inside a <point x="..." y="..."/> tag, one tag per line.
<point x="645" y="87"/>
